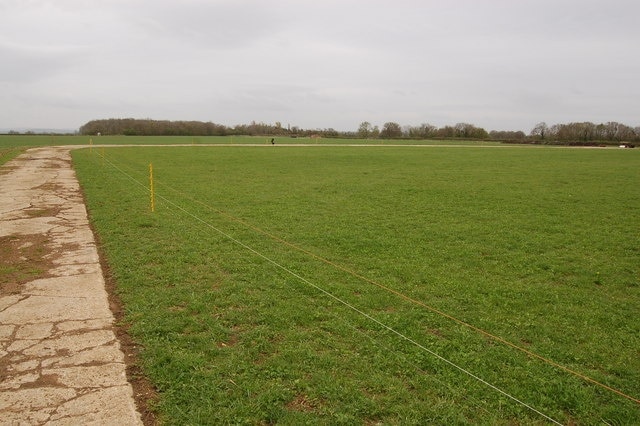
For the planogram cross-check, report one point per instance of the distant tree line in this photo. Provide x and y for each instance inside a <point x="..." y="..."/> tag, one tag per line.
<point x="147" y="127"/>
<point x="392" y="130"/>
<point x="584" y="133"/>
<point x="569" y="134"/>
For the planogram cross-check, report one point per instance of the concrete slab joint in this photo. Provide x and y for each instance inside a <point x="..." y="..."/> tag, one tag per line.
<point x="60" y="360"/>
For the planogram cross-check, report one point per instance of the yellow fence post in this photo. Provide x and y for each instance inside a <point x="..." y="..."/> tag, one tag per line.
<point x="91" y="145"/>
<point x="153" y="196"/>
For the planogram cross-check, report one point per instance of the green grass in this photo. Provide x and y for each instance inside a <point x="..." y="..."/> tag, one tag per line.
<point x="7" y="154"/>
<point x="13" y="145"/>
<point x="538" y="246"/>
<point x="49" y="140"/>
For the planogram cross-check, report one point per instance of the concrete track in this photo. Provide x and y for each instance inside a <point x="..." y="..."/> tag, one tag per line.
<point x="60" y="360"/>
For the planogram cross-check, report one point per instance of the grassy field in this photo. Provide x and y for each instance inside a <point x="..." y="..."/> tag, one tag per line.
<point x="13" y="145"/>
<point x="366" y="285"/>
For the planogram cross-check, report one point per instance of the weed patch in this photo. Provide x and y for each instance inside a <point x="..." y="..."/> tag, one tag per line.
<point x="22" y="260"/>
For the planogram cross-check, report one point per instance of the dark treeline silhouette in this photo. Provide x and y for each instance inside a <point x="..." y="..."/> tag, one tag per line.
<point x="584" y="133"/>
<point x="148" y="127"/>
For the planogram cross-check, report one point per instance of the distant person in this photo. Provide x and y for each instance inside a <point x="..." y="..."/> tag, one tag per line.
<point x="273" y="141"/>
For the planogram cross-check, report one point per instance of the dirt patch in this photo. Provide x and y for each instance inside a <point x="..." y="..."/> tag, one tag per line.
<point x="43" y="381"/>
<point x="437" y="332"/>
<point x="52" y="187"/>
<point x="46" y="212"/>
<point x="23" y="259"/>
<point x="302" y="403"/>
<point x="232" y="341"/>
<point x="58" y="163"/>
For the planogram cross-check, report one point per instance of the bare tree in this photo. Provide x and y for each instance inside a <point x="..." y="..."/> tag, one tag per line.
<point x="365" y="130"/>
<point x="428" y="130"/>
<point x="540" y="130"/>
<point x="391" y="130"/>
<point x="469" y="131"/>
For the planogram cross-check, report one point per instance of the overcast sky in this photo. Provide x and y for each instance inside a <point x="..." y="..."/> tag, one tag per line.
<point x="497" y="64"/>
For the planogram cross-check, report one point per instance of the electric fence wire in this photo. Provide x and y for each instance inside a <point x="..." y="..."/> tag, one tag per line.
<point x="339" y="300"/>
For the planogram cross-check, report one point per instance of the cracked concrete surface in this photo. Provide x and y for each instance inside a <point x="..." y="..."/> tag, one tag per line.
<point x="60" y="360"/>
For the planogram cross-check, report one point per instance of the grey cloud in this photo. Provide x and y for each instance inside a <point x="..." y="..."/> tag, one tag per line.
<point x="496" y="63"/>
<point x="217" y="24"/>
<point x="21" y="63"/>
